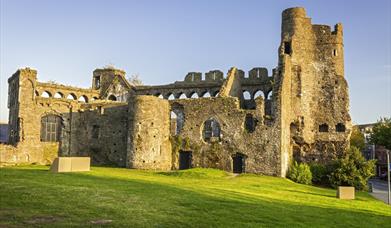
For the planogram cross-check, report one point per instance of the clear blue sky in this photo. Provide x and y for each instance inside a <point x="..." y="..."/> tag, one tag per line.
<point x="163" y="40"/>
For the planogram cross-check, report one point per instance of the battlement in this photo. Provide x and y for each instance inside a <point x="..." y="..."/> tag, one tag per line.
<point x="255" y="74"/>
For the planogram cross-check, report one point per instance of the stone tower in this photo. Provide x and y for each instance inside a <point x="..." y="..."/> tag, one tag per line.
<point x="314" y="98"/>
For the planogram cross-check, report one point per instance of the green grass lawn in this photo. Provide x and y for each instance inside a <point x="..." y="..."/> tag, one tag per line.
<point x="32" y="196"/>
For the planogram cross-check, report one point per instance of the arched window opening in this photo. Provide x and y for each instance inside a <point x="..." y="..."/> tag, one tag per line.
<point x="340" y="127"/>
<point x="246" y="95"/>
<point x="182" y="96"/>
<point x="323" y="128"/>
<point x="58" y="95"/>
<point x="211" y="131"/>
<point x="250" y="123"/>
<point x="216" y="93"/>
<point x="207" y="94"/>
<point x="46" y="94"/>
<point x="177" y="120"/>
<point x="112" y="98"/>
<point x="50" y="128"/>
<point x="71" y="96"/>
<point x="194" y="95"/>
<point x="83" y="99"/>
<point x="259" y="93"/>
<point x="270" y="95"/>
<point x="171" y="97"/>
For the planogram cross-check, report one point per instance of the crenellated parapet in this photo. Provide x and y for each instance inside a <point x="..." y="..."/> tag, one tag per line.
<point x="197" y="86"/>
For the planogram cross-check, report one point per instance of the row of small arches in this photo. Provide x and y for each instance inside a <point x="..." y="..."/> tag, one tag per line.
<point x="59" y="95"/>
<point x="193" y="95"/>
<point x="248" y="96"/>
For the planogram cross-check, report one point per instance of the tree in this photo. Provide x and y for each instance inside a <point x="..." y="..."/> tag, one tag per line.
<point x="135" y="80"/>
<point x="381" y="133"/>
<point x="300" y="173"/>
<point x="352" y="170"/>
<point x="357" y="138"/>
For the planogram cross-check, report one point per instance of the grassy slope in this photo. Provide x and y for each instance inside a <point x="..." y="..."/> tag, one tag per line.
<point x="199" y="197"/>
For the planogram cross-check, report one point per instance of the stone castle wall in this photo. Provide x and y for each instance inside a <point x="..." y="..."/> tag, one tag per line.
<point x="244" y="123"/>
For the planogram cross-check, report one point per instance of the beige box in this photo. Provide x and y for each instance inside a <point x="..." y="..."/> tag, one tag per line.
<point x="70" y="164"/>
<point x="80" y="164"/>
<point x="345" y="192"/>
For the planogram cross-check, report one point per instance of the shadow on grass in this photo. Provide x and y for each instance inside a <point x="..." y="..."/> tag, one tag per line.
<point x="311" y="193"/>
<point x="80" y="199"/>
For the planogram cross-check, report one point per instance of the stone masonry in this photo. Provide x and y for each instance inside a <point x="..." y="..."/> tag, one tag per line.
<point x="255" y="123"/>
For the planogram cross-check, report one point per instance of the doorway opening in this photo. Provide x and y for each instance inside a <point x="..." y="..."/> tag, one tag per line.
<point x="239" y="164"/>
<point x="185" y="158"/>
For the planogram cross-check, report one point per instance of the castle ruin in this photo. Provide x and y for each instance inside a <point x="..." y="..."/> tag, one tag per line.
<point x="257" y="122"/>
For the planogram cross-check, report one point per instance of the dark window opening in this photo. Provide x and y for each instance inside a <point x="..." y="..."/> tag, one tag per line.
<point x="238" y="163"/>
<point x="250" y="123"/>
<point x="185" y="158"/>
<point x="335" y="52"/>
<point x="112" y="97"/>
<point x="95" y="132"/>
<point x="340" y="127"/>
<point x="211" y="130"/>
<point x="323" y="128"/>
<point x="287" y="48"/>
<point x="50" y="128"/>
<point x="97" y="82"/>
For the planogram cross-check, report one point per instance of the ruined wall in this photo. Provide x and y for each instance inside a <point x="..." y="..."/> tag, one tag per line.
<point x="77" y="108"/>
<point x="259" y="147"/>
<point x="98" y="130"/>
<point x="26" y="110"/>
<point x="149" y="144"/>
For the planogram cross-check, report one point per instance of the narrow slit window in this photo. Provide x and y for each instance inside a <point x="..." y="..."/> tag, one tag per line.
<point x="288" y="48"/>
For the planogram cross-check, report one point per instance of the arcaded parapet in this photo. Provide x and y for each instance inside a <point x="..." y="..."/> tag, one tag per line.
<point x="149" y="134"/>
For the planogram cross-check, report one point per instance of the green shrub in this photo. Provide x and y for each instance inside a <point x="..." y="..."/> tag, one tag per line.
<point x="300" y="173"/>
<point x="319" y="173"/>
<point x="352" y="170"/>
